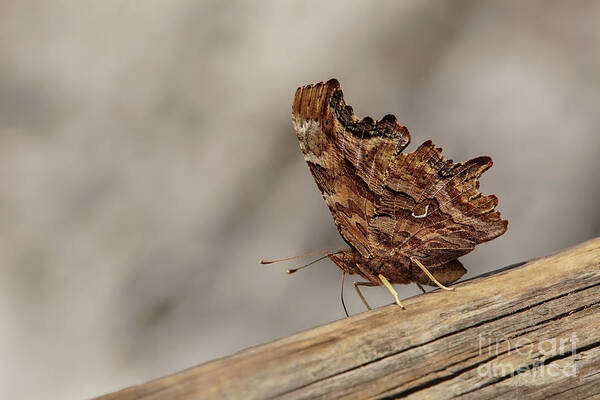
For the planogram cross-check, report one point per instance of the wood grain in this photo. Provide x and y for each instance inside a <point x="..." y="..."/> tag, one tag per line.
<point x="468" y="344"/>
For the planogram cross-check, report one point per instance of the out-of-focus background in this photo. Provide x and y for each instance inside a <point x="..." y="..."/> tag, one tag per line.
<point x="147" y="163"/>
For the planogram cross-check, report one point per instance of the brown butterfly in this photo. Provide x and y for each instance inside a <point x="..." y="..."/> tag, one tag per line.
<point x="405" y="217"/>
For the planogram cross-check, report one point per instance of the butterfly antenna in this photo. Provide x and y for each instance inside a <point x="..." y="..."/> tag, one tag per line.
<point x="291" y="271"/>
<point x="314" y="253"/>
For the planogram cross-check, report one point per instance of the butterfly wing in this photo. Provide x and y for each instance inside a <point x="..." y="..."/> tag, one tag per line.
<point x="430" y="208"/>
<point x="347" y="156"/>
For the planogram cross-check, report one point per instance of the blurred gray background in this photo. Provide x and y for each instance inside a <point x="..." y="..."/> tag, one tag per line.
<point x="148" y="162"/>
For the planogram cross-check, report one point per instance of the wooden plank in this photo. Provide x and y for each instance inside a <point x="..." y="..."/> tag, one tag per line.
<point x="525" y="332"/>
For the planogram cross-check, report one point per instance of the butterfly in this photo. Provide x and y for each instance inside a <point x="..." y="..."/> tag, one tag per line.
<point x="406" y="217"/>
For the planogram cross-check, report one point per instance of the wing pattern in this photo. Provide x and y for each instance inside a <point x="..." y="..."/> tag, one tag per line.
<point x="431" y="208"/>
<point x="389" y="206"/>
<point x="347" y="156"/>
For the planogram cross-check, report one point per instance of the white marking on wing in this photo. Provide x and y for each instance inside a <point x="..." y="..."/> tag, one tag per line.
<point x="423" y="215"/>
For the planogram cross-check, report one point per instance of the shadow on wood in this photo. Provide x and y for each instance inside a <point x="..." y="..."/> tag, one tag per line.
<point x="530" y="331"/>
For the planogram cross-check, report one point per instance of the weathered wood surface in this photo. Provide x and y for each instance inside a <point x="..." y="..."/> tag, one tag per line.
<point x="497" y="336"/>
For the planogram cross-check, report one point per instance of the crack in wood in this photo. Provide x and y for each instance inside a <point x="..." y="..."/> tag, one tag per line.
<point x="529" y="367"/>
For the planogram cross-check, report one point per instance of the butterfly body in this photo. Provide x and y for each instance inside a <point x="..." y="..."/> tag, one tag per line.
<point x="391" y="208"/>
<point x="397" y="270"/>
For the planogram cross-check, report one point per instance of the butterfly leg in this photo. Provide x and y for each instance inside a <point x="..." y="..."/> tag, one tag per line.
<point x="356" y="285"/>
<point x="342" y="294"/>
<point x="418" y="263"/>
<point x="389" y="287"/>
